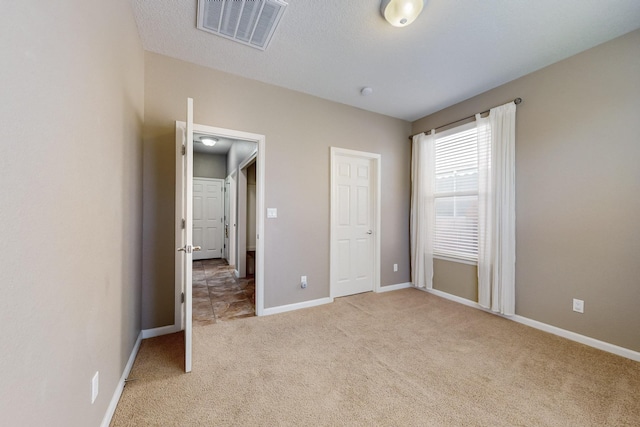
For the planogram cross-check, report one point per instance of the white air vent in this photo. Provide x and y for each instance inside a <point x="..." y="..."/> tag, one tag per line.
<point x="250" y="22"/>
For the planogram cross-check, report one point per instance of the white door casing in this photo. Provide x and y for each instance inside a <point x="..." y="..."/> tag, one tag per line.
<point x="208" y="206"/>
<point x="180" y="315"/>
<point x="226" y="219"/>
<point x="232" y="178"/>
<point x="242" y="215"/>
<point x="251" y="217"/>
<point x="241" y="224"/>
<point x="355" y="222"/>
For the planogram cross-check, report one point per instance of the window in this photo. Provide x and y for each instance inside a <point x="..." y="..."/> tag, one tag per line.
<point x="456" y="194"/>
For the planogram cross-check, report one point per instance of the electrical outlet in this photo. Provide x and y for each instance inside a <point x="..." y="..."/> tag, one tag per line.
<point x="395" y="267"/>
<point x="303" y="281"/>
<point x="578" y="305"/>
<point x="94" y="386"/>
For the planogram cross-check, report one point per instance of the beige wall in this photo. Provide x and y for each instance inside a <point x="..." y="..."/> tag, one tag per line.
<point x="299" y="130"/>
<point x="70" y="207"/>
<point x="578" y="181"/>
<point x="207" y="165"/>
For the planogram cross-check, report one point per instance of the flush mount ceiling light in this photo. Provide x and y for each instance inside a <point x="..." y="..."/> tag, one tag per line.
<point x="209" y="142"/>
<point x="366" y="91"/>
<point x="401" y="13"/>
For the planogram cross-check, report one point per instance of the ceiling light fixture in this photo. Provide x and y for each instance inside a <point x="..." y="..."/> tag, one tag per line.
<point x="366" y="91"/>
<point x="209" y="142"/>
<point x="401" y="13"/>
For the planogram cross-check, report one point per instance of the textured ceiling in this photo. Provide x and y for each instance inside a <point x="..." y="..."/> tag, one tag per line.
<point x="455" y="50"/>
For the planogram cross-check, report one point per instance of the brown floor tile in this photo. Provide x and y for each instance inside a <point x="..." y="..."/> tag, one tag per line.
<point x="229" y="310"/>
<point x="228" y="295"/>
<point x="218" y="295"/>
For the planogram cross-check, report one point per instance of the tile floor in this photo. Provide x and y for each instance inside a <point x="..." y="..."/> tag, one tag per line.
<point x="218" y="295"/>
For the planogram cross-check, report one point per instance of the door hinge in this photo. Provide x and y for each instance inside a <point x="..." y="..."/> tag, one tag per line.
<point x="184" y="223"/>
<point x="184" y="150"/>
<point x="182" y="298"/>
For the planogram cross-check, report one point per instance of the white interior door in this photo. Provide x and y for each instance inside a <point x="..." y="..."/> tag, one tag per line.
<point x="353" y="223"/>
<point x="186" y="247"/>
<point x="208" y="208"/>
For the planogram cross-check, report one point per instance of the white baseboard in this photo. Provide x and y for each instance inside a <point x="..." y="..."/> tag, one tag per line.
<point x="582" y="339"/>
<point x="111" y="409"/>
<point x="394" y="287"/>
<point x="296" y="306"/>
<point x="455" y="298"/>
<point x="156" y="332"/>
<point x="573" y="336"/>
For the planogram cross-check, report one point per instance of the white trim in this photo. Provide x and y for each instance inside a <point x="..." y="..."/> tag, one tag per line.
<point x="377" y="209"/>
<point x="207" y="179"/>
<point x="582" y="339"/>
<point x="247" y="161"/>
<point x="111" y="409"/>
<point x="241" y="229"/>
<point x="296" y="306"/>
<point x="396" y="287"/>
<point x="233" y="216"/>
<point x="457" y="299"/>
<point x="162" y="330"/>
<point x="573" y="336"/>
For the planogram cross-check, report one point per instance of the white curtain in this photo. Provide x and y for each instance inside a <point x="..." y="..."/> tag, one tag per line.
<point x="422" y="212"/>
<point x="497" y="209"/>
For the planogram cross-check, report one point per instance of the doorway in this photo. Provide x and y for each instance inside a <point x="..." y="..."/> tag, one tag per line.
<point x="260" y="143"/>
<point x="355" y="222"/>
<point x="246" y="214"/>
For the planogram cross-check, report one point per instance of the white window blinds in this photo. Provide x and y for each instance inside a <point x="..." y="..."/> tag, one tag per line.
<point x="456" y="194"/>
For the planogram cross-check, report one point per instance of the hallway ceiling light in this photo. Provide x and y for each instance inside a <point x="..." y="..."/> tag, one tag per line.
<point x="401" y="13"/>
<point x="209" y="142"/>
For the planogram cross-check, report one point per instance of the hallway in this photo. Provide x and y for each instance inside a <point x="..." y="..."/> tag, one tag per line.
<point x="218" y="295"/>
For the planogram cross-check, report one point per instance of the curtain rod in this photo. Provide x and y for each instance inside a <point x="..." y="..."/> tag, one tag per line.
<point x="426" y="132"/>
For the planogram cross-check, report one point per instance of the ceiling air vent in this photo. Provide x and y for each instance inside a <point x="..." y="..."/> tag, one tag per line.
<point x="250" y="22"/>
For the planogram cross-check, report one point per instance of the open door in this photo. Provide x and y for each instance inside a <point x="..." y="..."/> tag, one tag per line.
<point x="186" y="247"/>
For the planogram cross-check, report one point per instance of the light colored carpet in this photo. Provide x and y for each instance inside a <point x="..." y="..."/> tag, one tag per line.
<point x="403" y="358"/>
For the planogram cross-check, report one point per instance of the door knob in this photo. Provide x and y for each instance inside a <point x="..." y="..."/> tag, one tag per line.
<point x="370" y="232"/>
<point x="188" y="249"/>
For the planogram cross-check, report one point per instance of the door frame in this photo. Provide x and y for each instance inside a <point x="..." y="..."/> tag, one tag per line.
<point x="227" y="215"/>
<point x="233" y="217"/>
<point x="375" y="181"/>
<point x="260" y="140"/>
<point x="241" y="232"/>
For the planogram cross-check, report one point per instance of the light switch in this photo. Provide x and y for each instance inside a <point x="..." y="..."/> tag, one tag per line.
<point x="272" y="213"/>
